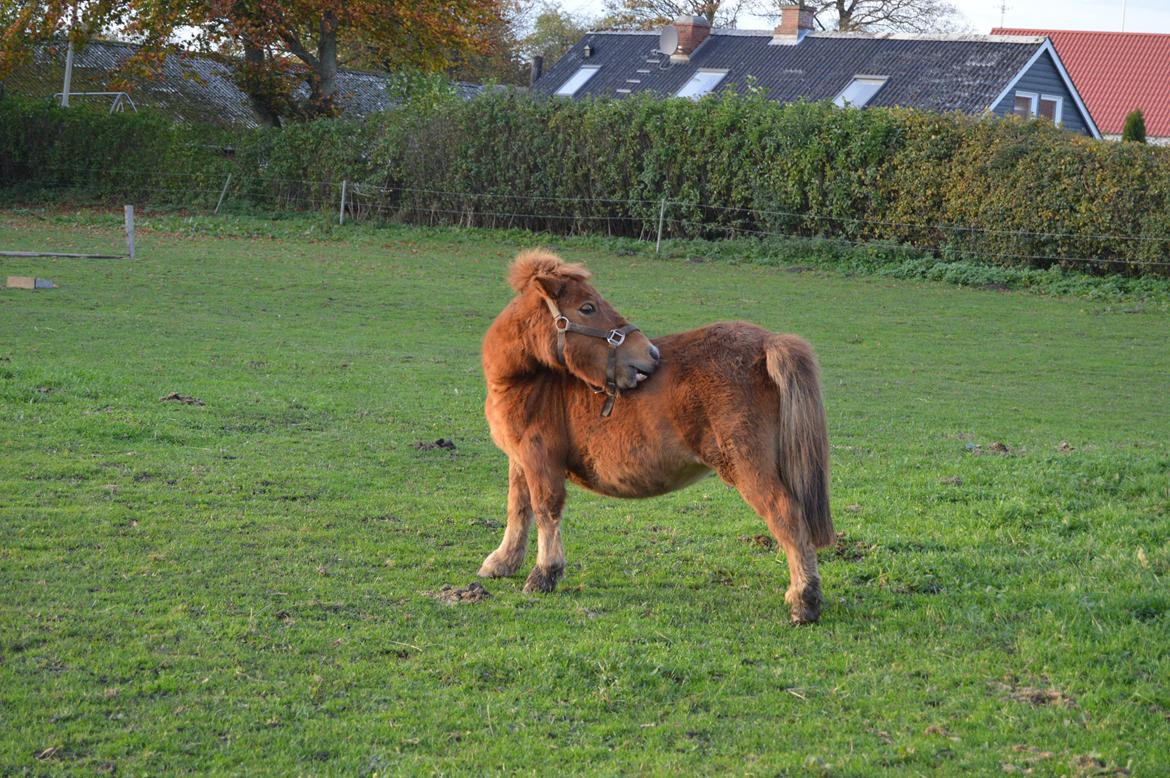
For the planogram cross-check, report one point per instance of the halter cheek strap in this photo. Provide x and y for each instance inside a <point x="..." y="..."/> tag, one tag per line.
<point x="614" y="338"/>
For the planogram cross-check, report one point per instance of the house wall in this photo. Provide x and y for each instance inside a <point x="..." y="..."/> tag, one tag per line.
<point x="1044" y="78"/>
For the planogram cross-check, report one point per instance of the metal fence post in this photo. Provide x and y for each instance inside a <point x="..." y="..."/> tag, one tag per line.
<point x="661" y="215"/>
<point x="341" y="211"/>
<point x="130" y="230"/>
<point x="226" y="184"/>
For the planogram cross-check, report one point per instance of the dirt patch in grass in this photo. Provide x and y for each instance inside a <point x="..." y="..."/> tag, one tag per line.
<point x="1034" y="695"/>
<point x="759" y="542"/>
<point x="849" y="549"/>
<point x="442" y="443"/>
<point x="185" y="399"/>
<point x="1091" y="764"/>
<point x="996" y="448"/>
<point x="472" y="593"/>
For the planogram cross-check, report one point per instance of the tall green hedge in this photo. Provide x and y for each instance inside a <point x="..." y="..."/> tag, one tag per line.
<point x="984" y="189"/>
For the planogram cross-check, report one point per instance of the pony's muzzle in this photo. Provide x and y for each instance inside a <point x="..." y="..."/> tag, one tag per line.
<point x="640" y="366"/>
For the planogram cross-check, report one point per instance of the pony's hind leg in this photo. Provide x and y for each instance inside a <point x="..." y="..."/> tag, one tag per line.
<point x="507" y="559"/>
<point x="771" y="499"/>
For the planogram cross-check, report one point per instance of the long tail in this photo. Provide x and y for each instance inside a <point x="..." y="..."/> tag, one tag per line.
<point x="804" y="437"/>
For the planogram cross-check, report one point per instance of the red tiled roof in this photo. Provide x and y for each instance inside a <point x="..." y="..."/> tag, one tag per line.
<point x="1115" y="72"/>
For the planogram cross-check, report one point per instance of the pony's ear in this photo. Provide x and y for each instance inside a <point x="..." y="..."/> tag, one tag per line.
<point x="549" y="287"/>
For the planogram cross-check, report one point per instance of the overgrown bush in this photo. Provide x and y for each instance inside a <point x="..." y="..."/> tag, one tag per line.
<point x="992" y="190"/>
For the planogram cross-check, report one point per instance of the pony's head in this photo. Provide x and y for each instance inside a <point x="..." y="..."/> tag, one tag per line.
<point x="589" y="325"/>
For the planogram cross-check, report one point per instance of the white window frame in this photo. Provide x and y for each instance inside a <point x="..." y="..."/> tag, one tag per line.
<point x="581" y="76"/>
<point x="1032" y="97"/>
<point x="840" y="101"/>
<point x="1059" y="113"/>
<point x="1034" y="109"/>
<point x="696" y="78"/>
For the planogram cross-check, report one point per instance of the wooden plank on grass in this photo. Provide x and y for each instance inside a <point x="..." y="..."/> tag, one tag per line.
<point x="59" y="254"/>
<point x="29" y="282"/>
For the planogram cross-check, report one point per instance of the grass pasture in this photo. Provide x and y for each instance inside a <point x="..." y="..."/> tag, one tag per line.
<point x="241" y="586"/>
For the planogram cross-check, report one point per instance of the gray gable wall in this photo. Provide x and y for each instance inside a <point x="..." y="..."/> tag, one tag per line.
<point x="1044" y="78"/>
<point x="931" y="73"/>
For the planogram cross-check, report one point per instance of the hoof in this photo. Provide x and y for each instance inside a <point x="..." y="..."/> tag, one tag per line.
<point x="494" y="568"/>
<point x="806" y="604"/>
<point x="543" y="579"/>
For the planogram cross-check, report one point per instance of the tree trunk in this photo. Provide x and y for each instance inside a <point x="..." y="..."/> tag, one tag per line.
<point x="255" y="83"/>
<point x="327" y="64"/>
<point x="845" y="16"/>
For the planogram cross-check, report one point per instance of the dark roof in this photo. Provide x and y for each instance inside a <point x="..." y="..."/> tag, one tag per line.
<point x="190" y="86"/>
<point x="929" y="72"/>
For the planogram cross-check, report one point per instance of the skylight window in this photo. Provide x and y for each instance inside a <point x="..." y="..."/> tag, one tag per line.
<point x="860" y="91"/>
<point x="578" y="80"/>
<point x="701" y="83"/>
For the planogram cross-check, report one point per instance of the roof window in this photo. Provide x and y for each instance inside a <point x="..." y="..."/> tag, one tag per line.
<point x="578" y="80"/>
<point x="860" y="91"/>
<point x="701" y="83"/>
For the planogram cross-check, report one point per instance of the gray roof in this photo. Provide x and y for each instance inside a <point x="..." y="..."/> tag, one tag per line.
<point x="929" y="72"/>
<point x="190" y="87"/>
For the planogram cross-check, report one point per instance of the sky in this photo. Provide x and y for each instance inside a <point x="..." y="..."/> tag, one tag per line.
<point x="982" y="15"/>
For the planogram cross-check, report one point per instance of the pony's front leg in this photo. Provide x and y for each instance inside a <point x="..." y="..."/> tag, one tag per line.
<point x="507" y="559"/>
<point x="548" y="499"/>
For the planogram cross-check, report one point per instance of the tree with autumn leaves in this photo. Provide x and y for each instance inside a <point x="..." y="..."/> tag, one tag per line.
<point x="319" y="36"/>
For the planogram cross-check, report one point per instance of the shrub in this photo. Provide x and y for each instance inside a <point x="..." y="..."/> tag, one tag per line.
<point x="995" y="191"/>
<point x="1134" y="129"/>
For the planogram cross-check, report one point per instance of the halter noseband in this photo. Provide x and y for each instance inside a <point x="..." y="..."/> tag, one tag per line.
<point x="614" y="338"/>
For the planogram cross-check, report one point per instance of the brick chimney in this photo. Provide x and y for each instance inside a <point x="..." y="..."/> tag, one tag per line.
<point x="796" y="21"/>
<point x="692" y="30"/>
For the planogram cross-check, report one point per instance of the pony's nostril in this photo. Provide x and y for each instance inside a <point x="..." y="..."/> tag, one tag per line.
<point x="655" y="354"/>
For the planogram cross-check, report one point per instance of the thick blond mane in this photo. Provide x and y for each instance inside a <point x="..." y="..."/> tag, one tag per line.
<point x="538" y="262"/>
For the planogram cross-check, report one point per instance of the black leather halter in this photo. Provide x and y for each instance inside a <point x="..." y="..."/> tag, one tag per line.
<point x="614" y="338"/>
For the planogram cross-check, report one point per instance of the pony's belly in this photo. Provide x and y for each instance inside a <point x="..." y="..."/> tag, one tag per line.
<point x="639" y="478"/>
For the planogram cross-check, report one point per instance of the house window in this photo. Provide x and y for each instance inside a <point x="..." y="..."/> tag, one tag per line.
<point x="578" y="80"/>
<point x="1031" y="105"/>
<point x="701" y="83"/>
<point x="860" y="91"/>
<point x="1050" y="108"/>
<point x="1024" y="105"/>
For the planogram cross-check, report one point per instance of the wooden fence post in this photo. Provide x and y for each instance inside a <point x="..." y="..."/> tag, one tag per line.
<point x="341" y="211"/>
<point x="226" y="184"/>
<point x="130" y="230"/>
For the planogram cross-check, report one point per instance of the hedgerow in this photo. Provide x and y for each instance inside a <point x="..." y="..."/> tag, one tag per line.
<point x="1004" y="192"/>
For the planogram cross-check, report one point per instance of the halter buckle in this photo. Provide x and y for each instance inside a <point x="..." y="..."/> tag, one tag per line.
<point x="561" y="322"/>
<point x="616" y="338"/>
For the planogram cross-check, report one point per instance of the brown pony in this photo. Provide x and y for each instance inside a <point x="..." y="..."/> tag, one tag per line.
<point x="730" y="397"/>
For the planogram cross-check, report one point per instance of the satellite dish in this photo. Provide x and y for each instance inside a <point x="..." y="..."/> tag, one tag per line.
<point x="668" y="40"/>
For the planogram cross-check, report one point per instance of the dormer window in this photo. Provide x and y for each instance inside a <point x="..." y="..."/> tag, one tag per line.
<point x="1030" y="105"/>
<point x="577" y="80"/>
<point x="860" y="91"/>
<point x="701" y="83"/>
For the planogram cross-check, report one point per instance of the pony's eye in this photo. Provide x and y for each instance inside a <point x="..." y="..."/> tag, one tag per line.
<point x="587" y="309"/>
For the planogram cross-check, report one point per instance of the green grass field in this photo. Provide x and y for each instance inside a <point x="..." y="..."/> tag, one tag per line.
<point x="242" y="585"/>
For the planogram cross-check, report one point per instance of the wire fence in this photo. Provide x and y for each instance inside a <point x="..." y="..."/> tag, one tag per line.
<point x="639" y="218"/>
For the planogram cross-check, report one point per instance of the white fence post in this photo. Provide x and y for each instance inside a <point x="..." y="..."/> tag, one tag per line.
<point x="661" y="214"/>
<point x="130" y="230"/>
<point x="223" y="193"/>
<point x="341" y="211"/>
